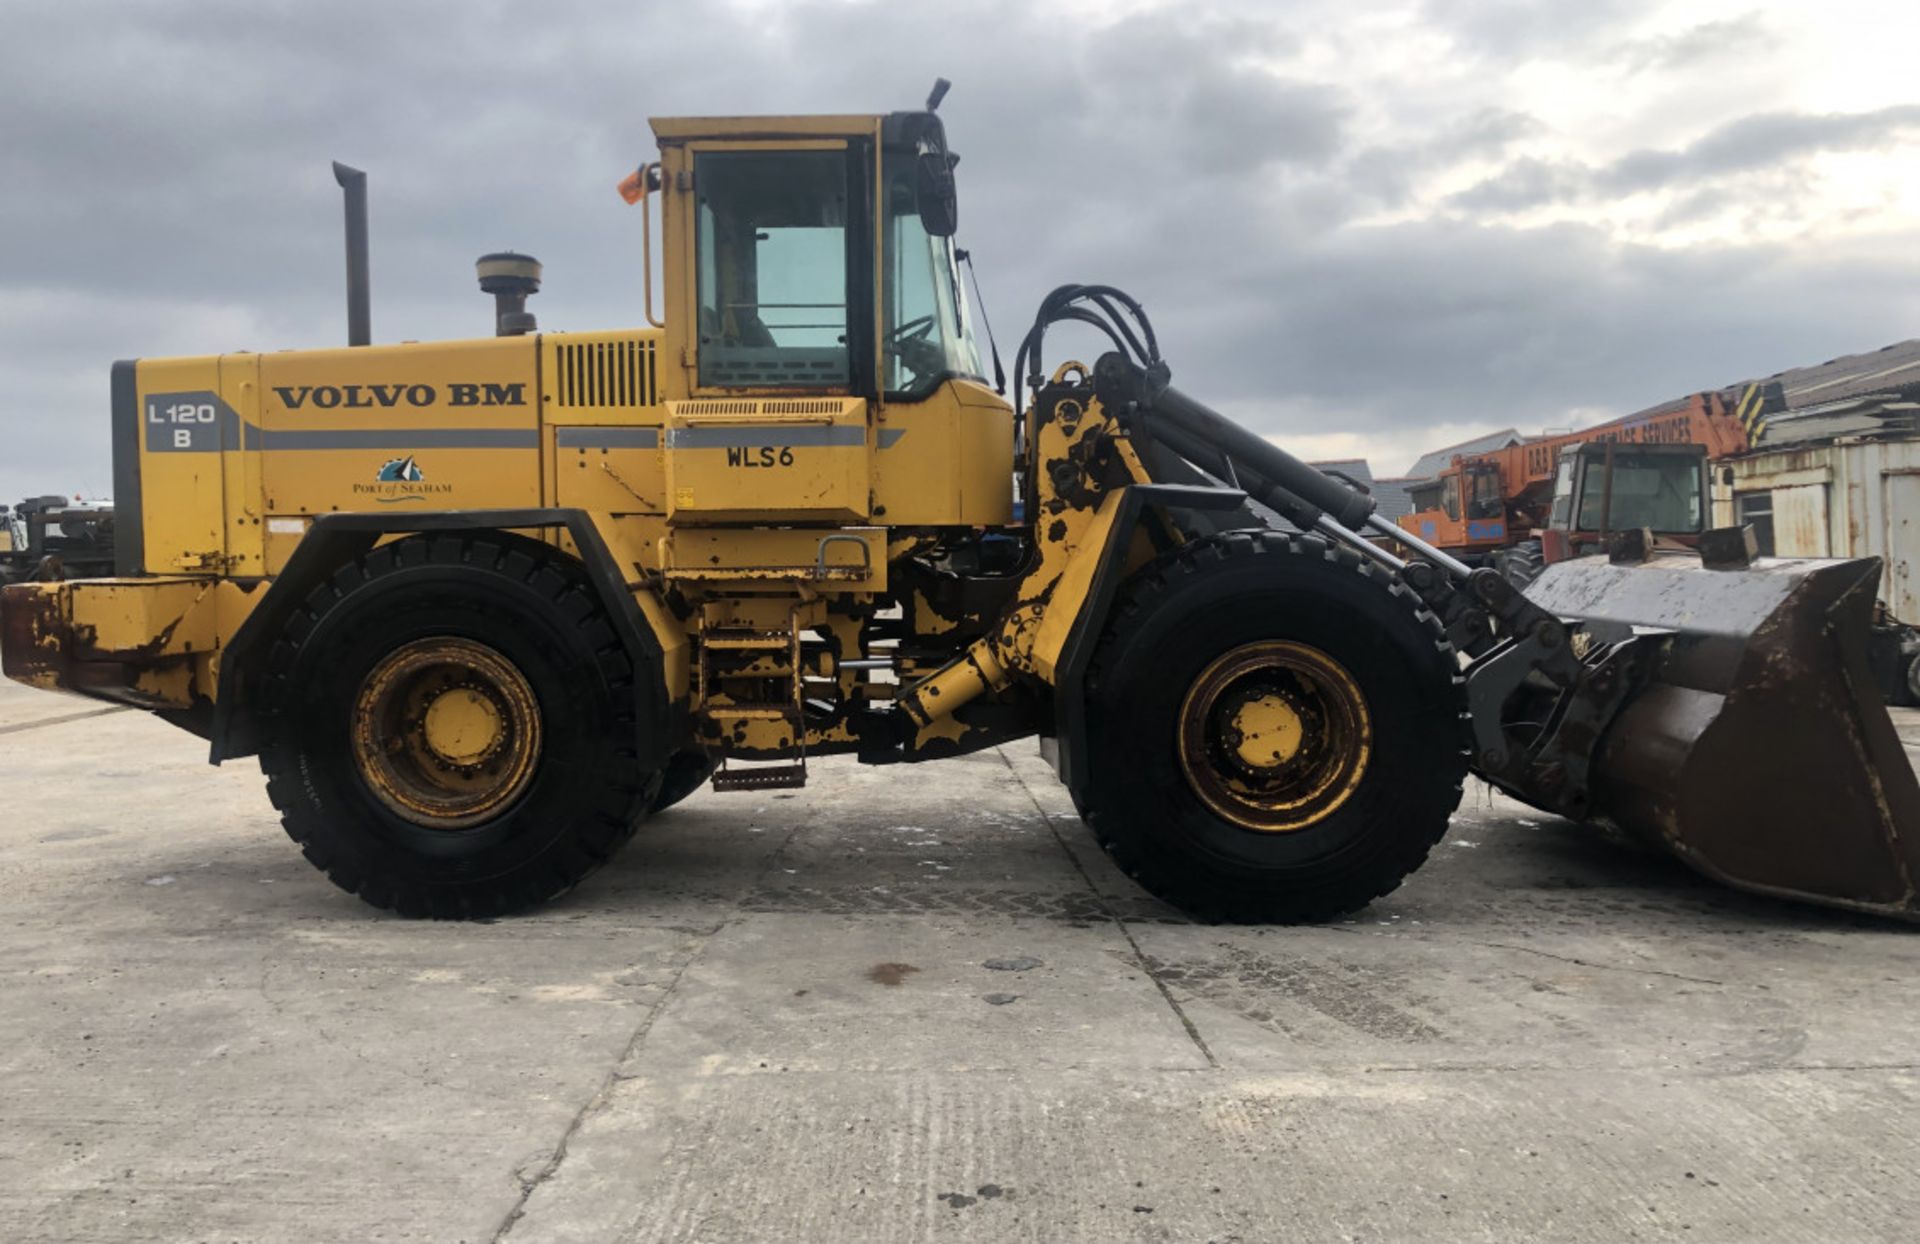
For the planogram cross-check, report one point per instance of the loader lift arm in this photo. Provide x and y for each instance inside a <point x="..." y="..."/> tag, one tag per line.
<point x="1546" y="763"/>
<point x="1711" y="705"/>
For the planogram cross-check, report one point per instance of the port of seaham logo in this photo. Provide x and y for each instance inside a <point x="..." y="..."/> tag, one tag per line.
<point x="400" y="471"/>
<point x="400" y="479"/>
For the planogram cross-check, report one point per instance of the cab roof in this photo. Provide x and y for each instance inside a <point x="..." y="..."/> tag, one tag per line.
<point x="682" y="129"/>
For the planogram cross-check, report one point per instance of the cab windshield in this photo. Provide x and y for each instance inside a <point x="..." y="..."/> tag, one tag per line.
<point x="928" y="326"/>
<point x="1657" y="490"/>
<point x="1484" y="497"/>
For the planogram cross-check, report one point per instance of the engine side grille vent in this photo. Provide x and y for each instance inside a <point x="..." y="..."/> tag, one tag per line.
<point x="604" y="373"/>
<point x="763" y="406"/>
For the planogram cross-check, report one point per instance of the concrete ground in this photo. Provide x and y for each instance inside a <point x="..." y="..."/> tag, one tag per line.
<point x="911" y="1004"/>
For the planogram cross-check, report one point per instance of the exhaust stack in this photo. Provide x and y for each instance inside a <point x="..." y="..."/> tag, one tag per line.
<point x="359" y="305"/>
<point x="510" y="277"/>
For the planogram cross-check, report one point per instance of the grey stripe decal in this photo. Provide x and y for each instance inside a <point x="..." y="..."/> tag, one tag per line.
<point x="739" y="437"/>
<point x="607" y="438"/>
<point x="130" y="532"/>
<point x="392" y="439"/>
<point x="213" y="436"/>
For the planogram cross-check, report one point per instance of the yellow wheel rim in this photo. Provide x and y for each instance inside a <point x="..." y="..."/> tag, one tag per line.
<point x="446" y="732"/>
<point x="1274" y="736"/>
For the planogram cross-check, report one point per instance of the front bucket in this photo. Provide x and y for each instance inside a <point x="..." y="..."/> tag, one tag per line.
<point x="1758" y="750"/>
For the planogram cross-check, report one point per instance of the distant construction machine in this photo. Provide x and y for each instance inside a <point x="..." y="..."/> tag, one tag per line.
<point x="53" y="537"/>
<point x="1521" y="507"/>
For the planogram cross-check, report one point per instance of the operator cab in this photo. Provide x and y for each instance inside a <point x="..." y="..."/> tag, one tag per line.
<point x="822" y="255"/>
<point x="816" y="325"/>
<point x="1470" y="489"/>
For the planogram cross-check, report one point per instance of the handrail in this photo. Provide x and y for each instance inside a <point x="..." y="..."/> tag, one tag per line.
<point x="649" y="178"/>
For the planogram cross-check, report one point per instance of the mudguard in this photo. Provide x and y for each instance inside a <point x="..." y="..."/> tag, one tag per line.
<point x="335" y="539"/>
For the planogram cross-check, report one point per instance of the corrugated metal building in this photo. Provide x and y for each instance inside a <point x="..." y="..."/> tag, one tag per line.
<point x="1394" y="498"/>
<point x="1434" y="461"/>
<point x="1355" y="469"/>
<point x="1837" y="473"/>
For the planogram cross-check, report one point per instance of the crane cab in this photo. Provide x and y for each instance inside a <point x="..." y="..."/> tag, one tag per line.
<point x="1463" y="509"/>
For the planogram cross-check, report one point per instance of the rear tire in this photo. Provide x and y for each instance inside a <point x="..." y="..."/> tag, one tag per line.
<point x="1300" y="648"/>
<point x="448" y="727"/>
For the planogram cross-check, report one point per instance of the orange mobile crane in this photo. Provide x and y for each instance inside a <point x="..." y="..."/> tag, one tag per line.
<point x="1553" y="497"/>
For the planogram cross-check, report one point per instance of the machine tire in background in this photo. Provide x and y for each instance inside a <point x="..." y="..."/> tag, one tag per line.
<point x="685" y="773"/>
<point x="1521" y="564"/>
<point x="448" y="727"/>
<point x="1275" y="730"/>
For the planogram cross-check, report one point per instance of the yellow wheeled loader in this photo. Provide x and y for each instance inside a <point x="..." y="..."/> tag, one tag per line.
<point x="482" y="607"/>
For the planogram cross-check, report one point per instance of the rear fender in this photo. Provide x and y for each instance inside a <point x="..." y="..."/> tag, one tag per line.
<point x="336" y="539"/>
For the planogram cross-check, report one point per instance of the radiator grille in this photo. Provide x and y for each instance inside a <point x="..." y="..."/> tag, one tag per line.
<point x="604" y="373"/>
<point x="719" y="408"/>
<point x="763" y="406"/>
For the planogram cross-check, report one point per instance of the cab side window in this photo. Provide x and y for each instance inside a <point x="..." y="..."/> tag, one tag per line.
<point x="1561" y="515"/>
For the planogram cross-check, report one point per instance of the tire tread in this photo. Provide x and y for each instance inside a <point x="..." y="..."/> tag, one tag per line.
<point x="629" y="789"/>
<point x="1185" y="889"/>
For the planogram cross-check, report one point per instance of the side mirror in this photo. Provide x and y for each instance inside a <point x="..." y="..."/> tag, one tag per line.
<point x="934" y="190"/>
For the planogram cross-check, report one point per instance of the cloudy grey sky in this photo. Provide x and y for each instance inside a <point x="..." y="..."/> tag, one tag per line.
<point x="1363" y="228"/>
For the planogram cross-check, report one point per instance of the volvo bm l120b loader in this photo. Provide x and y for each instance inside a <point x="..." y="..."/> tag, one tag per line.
<point x="482" y="607"/>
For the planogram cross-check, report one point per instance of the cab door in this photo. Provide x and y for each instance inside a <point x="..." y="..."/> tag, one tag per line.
<point x="777" y="423"/>
<point x="769" y="266"/>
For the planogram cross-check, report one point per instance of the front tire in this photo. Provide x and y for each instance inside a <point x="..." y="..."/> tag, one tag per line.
<point x="1275" y="730"/>
<point x="448" y="727"/>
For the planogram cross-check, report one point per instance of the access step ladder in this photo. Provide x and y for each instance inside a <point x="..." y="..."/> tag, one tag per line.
<point x="732" y="654"/>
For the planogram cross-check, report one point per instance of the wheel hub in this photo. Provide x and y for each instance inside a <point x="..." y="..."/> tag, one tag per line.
<point x="1267" y="731"/>
<point x="463" y="727"/>
<point x="446" y="732"/>
<point x="1274" y="736"/>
